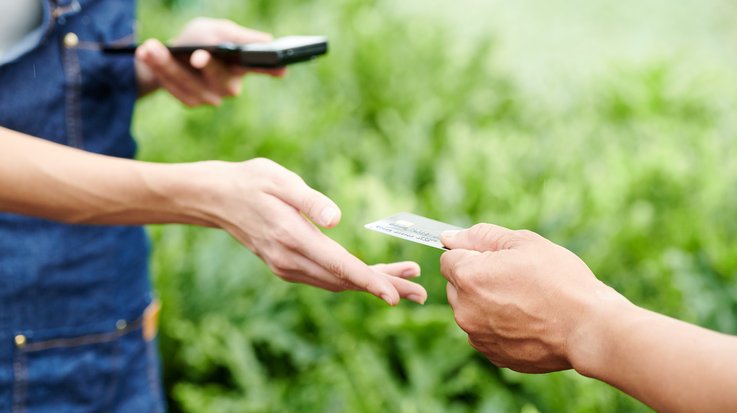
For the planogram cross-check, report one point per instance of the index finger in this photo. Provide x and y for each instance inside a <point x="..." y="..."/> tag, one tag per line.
<point x="242" y="70"/>
<point x="452" y="261"/>
<point x="343" y="265"/>
<point x="232" y="32"/>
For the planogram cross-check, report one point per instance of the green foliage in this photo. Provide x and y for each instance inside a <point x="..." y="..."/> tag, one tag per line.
<point x="636" y="174"/>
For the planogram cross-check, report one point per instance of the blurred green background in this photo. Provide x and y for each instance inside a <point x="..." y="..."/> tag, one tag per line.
<point x="608" y="127"/>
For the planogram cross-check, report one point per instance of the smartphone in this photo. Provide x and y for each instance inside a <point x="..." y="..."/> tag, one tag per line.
<point x="277" y="53"/>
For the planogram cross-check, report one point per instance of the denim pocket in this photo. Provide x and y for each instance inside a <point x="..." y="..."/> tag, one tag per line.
<point x="107" y="372"/>
<point x="66" y="374"/>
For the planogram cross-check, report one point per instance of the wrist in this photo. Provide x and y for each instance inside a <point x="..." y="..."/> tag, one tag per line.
<point x="185" y="193"/>
<point x="593" y="339"/>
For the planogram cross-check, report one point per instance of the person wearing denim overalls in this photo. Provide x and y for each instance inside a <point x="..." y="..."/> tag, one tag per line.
<point x="73" y="297"/>
<point x="77" y="315"/>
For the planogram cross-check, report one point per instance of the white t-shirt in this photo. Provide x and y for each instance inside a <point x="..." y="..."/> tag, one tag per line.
<point x="20" y="23"/>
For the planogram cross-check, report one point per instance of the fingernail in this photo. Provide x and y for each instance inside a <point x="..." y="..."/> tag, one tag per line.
<point x="410" y="273"/>
<point x="388" y="299"/>
<point x="416" y="298"/>
<point x="327" y="215"/>
<point x="449" y="234"/>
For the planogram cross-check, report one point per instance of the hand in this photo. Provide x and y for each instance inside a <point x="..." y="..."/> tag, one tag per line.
<point x="523" y="300"/>
<point x="266" y="207"/>
<point x="203" y="80"/>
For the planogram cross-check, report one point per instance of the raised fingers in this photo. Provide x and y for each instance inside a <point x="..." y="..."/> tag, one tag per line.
<point x="179" y="80"/>
<point x="344" y="266"/>
<point x="404" y="269"/>
<point x="216" y="74"/>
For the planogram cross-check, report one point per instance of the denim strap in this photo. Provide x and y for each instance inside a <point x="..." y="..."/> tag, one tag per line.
<point x="61" y="8"/>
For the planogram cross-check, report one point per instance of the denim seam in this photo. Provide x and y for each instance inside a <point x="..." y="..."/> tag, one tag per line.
<point x="109" y="397"/>
<point x="73" y="74"/>
<point x="153" y="375"/>
<point x="82" y="340"/>
<point x="20" y="383"/>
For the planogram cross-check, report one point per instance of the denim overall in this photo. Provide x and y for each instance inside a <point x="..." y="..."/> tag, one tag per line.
<point x="72" y="297"/>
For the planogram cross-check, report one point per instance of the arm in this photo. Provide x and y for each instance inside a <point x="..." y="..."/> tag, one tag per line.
<point x="257" y="201"/>
<point x="669" y="365"/>
<point x="43" y="179"/>
<point x="535" y="307"/>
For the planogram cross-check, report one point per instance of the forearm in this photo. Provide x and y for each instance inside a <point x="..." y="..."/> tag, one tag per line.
<point x="668" y="364"/>
<point x="43" y="179"/>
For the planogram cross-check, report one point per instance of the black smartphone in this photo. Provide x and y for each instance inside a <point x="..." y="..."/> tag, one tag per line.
<point x="277" y="53"/>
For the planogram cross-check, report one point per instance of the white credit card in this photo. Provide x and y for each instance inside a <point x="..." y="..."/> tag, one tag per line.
<point x="413" y="228"/>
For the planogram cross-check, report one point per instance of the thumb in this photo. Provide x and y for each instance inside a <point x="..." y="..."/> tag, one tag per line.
<point x="319" y="208"/>
<point x="314" y="204"/>
<point x="200" y="58"/>
<point x="480" y="237"/>
<point x="152" y="52"/>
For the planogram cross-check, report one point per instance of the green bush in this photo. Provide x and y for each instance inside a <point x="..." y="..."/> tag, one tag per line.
<point x="636" y="174"/>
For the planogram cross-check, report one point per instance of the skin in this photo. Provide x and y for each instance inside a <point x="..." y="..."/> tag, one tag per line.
<point x="202" y="80"/>
<point x="535" y="307"/>
<point x="266" y="207"/>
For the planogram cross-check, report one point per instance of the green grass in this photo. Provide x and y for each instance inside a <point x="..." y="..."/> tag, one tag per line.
<point x="632" y="165"/>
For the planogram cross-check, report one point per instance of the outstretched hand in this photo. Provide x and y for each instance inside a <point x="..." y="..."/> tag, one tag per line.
<point x="271" y="210"/>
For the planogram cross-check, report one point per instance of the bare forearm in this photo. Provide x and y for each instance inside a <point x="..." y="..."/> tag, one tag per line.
<point x="260" y="203"/>
<point x="52" y="181"/>
<point x="668" y="364"/>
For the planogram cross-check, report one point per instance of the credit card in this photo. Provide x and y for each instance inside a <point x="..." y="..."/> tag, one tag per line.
<point x="413" y="228"/>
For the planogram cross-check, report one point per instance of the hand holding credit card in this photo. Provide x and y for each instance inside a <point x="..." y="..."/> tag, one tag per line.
<point x="413" y="228"/>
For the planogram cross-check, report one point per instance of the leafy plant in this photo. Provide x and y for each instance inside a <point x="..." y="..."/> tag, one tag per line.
<point x="636" y="175"/>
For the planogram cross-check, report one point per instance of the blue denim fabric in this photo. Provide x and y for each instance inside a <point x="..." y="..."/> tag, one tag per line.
<point x="66" y="289"/>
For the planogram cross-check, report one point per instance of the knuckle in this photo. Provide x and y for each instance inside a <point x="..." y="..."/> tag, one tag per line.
<point x="526" y="234"/>
<point x="481" y="230"/>
<point x="288" y="277"/>
<point x="466" y="276"/>
<point x="199" y="21"/>
<point x="463" y="321"/>
<point x="497" y="361"/>
<point x="338" y="270"/>
<point x="310" y="203"/>
<point x="283" y="233"/>
<point x="261" y="161"/>
<point x="294" y="178"/>
<point x="265" y="164"/>
<point x="336" y="288"/>
<point x="344" y="285"/>
<point x="229" y="23"/>
<point x="289" y="241"/>
<point x="280" y="267"/>
<point x="451" y="265"/>
<point x="446" y="263"/>
<point x="484" y="233"/>
<point x="232" y="91"/>
<point x="473" y="343"/>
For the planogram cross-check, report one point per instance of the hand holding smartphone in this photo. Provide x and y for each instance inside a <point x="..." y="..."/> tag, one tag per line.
<point x="277" y="53"/>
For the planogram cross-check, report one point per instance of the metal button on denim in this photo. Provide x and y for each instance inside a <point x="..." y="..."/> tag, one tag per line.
<point x="71" y="40"/>
<point x="20" y="340"/>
